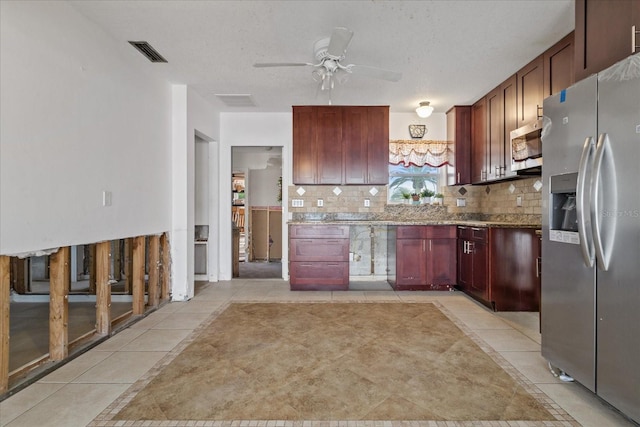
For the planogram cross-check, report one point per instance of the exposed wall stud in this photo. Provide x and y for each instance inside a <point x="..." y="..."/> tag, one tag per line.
<point x="154" y="261"/>
<point x="59" y="283"/>
<point x="138" y="275"/>
<point x="5" y="267"/>
<point x="103" y="289"/>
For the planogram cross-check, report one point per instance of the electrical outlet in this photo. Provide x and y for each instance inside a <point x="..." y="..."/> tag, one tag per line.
<point x="519" y="201"/>
<point x="320" y="203"/>
<point x="367" y="203"/>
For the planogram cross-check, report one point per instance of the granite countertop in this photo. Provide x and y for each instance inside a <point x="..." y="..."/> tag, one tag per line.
<point x="417" y="215"/>
<point x="468" y="223"/>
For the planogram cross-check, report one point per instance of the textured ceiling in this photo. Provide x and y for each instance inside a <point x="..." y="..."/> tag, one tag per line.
<point x="449" y="52"/>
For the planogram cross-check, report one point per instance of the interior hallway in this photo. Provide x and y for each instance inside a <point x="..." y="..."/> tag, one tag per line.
<point x="80" y="390"/>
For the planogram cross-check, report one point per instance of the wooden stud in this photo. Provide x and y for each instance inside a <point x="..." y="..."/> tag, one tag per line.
<point x="138" y="275"/>
<point x="116" y="255"/>
<point x="5" y="284"/>
<point x="18" y="275"/>
<point x="128" y="265"/>
<point x="165" y="272"/>
<point x="154" y="260"/>
<point x="92" y="269"/>
<point x="59" y="283"/>
<point x="103" y="289"/>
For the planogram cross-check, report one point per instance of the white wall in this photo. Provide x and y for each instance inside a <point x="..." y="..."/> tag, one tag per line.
<point x="250" y="129"/>
<point x="192" y="116"/>
<point x="263" y="186"/>
<point x="399" y="125"/>
<point x="201" y="181"/>
<point x="79" y="115"/>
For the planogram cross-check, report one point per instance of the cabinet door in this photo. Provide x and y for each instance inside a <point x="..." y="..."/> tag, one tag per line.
<point x="478" y="141"/>
<point x="304" y="145"/>
<point x="510" y="122"/>
<point x="459" y="139"/>
<point x="495" y="138"/>
<point x="603" y="33"/>
<point x="441" y="262"/>
<point x="410" y="262"/>
<point x="480" y="270"/>
<point x="514" y="269"/>
<point x="378" y="145"/>
<point x="530" y="92"/>
<point x="558" y="66"/>
<point x="354" y="139"/>
<point x="329" y="140"/>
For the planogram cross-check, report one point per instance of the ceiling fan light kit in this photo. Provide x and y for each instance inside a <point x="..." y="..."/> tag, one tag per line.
<point x="329" y="51"/>
<point x="424" y="110"/>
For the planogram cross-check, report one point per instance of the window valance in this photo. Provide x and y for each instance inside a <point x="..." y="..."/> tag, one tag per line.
<point x="419" y="152"/>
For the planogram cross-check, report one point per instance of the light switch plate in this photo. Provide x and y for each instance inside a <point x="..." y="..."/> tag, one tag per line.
<point x="367" y="203"/>
<point x="460" y="202"/>
<point x="297" y="203"/>
<point x="106" y="198"/>
<point x="320" y="203"/>
<point x="519" y="201"/>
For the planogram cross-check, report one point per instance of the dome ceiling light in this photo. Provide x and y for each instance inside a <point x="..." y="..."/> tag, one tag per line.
<point x="424" y="110"/>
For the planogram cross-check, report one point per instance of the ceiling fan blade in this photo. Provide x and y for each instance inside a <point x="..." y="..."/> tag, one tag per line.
<point x="377" y="73"/>
<point x="280" y="64"/>
<point x="340" y="39"/>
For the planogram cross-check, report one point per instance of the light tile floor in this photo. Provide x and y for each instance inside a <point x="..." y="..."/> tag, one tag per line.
<point x="80" y="390"/>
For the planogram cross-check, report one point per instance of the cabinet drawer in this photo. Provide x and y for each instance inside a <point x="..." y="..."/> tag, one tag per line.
<point x="329" y="231"/>
<point x="473" y="233"/>
<point x="319" y="275"/>
<point x="441" y="232"/>
<point x="319" y="249"/>
<point x="411" y="232"/>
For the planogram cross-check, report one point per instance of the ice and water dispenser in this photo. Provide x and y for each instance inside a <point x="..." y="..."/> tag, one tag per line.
<point x="563" y="218"/>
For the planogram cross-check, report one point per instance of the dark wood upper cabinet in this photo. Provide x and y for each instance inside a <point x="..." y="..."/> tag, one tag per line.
<point x="354" y="139"/>
<point x="340" y="145"/>
<point x="604" y="33"/>
<point x="530" y="91"/>
<point x="459" y="138"/>
<point x="495" y="134"/>
<point x="478" y="141"/>
<point x="558" y="66"/>
<point x="329" y="139"/>
<point x="378" y="145"/>
<point x="305" y="145"/>
<point x="510" y="122"/>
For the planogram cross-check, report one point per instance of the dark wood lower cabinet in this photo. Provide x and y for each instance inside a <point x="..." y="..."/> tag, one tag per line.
<point x="499" y="267"/>
<point x="319" y="257"/>
<point x="514" y="269"/>
<point x="424" y="257"/>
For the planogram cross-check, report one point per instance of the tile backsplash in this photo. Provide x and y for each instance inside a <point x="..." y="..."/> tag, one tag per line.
<point x="516" y="198"/>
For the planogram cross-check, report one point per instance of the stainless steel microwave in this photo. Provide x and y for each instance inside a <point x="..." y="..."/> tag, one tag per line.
<point x="526" y="148"/>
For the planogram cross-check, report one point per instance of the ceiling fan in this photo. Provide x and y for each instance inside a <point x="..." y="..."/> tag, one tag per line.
<point x="329" y="52"/>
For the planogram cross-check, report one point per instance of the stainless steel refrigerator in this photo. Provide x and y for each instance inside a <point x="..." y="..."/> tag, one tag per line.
<point x="590" y="296"/>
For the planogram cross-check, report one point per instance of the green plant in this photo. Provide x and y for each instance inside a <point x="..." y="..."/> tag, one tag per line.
<point x="406" y="195"/>
<point x="426" y="193"/>
<point x="439" y="196"/>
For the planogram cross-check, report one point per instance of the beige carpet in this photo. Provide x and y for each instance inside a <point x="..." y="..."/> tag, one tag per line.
<point x="332" y="361"/>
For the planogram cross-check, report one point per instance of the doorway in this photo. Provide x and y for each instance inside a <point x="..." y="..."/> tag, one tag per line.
<point x="257" y="211"/>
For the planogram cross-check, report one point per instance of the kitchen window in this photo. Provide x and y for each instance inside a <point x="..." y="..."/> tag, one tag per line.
<point x="404" y="180"/>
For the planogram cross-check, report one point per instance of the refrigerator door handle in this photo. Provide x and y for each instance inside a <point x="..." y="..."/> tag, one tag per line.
<point x="582" y="203"/>
<point x="602" y="177"/>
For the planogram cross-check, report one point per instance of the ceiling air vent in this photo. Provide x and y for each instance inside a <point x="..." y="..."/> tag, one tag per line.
<point x="149" y="52"/>
<point x="236" y="100"/>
